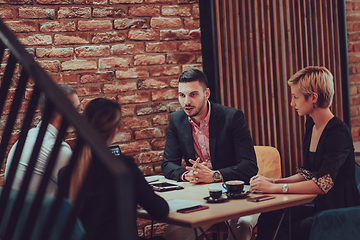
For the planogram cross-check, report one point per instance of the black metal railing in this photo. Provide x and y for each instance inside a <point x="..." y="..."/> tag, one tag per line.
<point x="30" y="71"/>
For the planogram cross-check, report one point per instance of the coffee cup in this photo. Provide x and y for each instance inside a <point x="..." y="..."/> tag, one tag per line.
<point x="234" y="186"/>
<point x="215" y="194"/>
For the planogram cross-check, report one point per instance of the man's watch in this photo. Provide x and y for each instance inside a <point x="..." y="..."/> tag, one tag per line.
<point x="285" y="188"/>
<point x="216" y="176"/>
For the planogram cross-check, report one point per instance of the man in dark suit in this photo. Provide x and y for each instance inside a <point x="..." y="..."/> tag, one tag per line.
<point x="213" y="139"/>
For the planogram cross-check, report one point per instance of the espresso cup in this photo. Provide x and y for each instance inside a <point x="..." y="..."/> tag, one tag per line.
<point x="215" y="193"/>
<point x="234" y="186"/>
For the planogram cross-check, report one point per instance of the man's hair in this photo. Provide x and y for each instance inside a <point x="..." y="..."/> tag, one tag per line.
<point x="314" y="79"/>
<point x="65" y="89"/>
<point x="192" y="75"/>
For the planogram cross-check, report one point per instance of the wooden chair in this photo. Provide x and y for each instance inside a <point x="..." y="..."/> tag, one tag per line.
<point x="269" y="164"/>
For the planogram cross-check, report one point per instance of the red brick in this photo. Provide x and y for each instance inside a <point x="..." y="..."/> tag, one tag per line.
<point x="161" y="47"/>
<point x="22" y="26"/>
<point x="50" y="65"/>
<point x="353" y="90"/>
<point x="56" y="26"/>
<point x="354" y="79"/>
<point x="107" y="12"/>
<point x="144" y="35"/>
<point x="191" y="23"/>
<point x="356" y="47"/>
<point x="184" y="58"/>
<point x="161" y="22"/>
<point x="71" y="38"/>
<point x="355" y="133"/>
<point x="355" y="121"/>
<point x="131" y="73"/>
<point x="54" y="52"/>
<point x="174" y="106"/>
<point x="352" y="16"/>
<point x="125" y="23"/>
<point x="142" y="110"/>
<point x="91" y="2"/>
<point x="125" y="1"/>
<point x="144" y="11"/>
<point x="354" y="111"/>
<point x="137" y="146"/>
<point x="149" y="133"/>
<point x="53" y="1"/>
<point x="349" y="27"/>
<point x="164" y="70"/>
<point x="348" y="6"/>
<point x="127" y="110"/>
<point x="164" y="94"/>
<point x="122" y="137"/>
<point x="17" y="1"/>
<point x="79" y="65"/>
<point x="356" y="6"/>
<point x="35" y="39"/>
<point x="133" y="97"/>
<point x="119" y="86"/>
<point x="152" y="83"/>
<point x="354" y="36"/>
<point x="176" y="10"/>
<point x="188" y="66"/>
<point x="158" y="144"/>
<point x="356" y="26"/>
<point x="174" y="82"/>
<point x="115" y="62"/>
<point x="161" y="1"/>
<point x="189" y="46"/>
<point x="196" y="11"/>
<point x="161" y="119"/>
<point x="94" y="25"/>
<point x="187" y="1"/>
<point x="7" y="13"/>
<point x="151" y="156"/>
<point x="96" y="77"/>
<point x="87" y="90"/>
<point x="66" y="78"/>
<point x="145" y="60"/>
<point x="92" y="51"/>
<point x="134" y="123"/>
<point x="74" y="12"/>
<point x="108" y="37"/>
<point x="147" y="169"/>
<point x="195" y="34"/>
<point x="127" y="48"/>
<point x="178" y="34"/>
<point x="36" y="12"/>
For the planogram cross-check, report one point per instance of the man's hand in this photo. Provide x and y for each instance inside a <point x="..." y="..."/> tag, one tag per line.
<point x="201" y="173"/>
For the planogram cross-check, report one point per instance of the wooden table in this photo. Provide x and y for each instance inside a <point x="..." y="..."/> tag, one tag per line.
<point x="219" y="212"/>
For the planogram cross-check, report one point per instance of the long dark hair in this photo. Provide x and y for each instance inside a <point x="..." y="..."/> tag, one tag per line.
<point x="105" y="116"/>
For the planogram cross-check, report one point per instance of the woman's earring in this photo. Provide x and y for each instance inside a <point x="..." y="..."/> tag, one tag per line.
<point x="314" y="105"/>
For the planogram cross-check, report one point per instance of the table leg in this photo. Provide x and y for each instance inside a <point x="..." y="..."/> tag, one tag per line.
<point x="203" y="232"/>
<point x="228" y="225"/>
<point x="195" y="231"/>
<point x="281" y="219"/>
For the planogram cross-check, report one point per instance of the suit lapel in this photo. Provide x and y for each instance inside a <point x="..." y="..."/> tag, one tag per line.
<point x="213" y="129"/>
<point x="188" y="138"/>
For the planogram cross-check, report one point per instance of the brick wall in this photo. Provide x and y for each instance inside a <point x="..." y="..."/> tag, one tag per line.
<point x="131" y="51"/>
<point x="353" y="29"/>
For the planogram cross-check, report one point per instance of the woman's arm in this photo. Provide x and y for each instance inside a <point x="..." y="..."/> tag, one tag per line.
<point x="296" y="184"/>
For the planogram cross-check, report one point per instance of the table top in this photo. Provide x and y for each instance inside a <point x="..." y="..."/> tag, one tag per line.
<point x="230" y="209"/>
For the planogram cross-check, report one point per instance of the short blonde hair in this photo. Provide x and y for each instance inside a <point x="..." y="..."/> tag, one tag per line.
<point x="314" y="79"/>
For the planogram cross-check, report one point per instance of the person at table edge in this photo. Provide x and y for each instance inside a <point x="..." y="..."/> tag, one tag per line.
<point x="214" y="140"/>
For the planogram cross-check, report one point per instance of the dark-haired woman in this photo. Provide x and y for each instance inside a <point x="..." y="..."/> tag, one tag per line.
<point x="98" y="211"/>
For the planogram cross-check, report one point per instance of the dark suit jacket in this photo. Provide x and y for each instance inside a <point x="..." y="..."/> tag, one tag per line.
<point x="231" y="147"/>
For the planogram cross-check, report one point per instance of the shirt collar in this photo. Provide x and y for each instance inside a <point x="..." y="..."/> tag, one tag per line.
<point x="205" y="120"/>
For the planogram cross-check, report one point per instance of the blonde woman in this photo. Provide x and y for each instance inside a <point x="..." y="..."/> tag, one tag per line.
<point x="98" y="211"/>
<point x="328" y="151"/>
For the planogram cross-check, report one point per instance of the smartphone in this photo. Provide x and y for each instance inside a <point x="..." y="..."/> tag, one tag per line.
<point x="165" y="186"/>
<point x="115" y="149"/>
<point x="260" y="198"/>
<point x="192" y="209"/>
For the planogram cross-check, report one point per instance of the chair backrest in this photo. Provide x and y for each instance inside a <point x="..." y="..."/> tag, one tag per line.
<point x="268" y="161"/>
